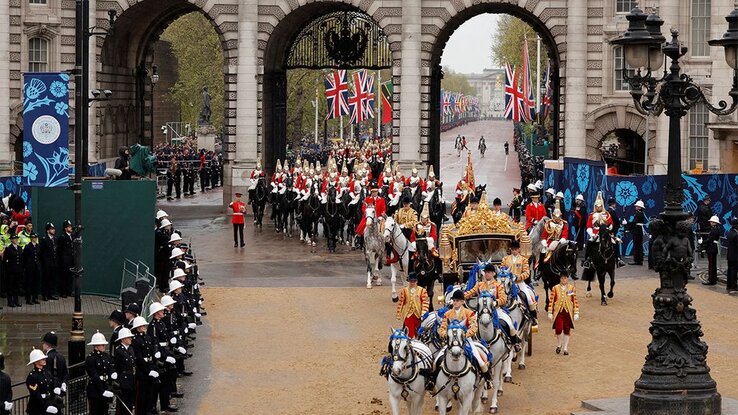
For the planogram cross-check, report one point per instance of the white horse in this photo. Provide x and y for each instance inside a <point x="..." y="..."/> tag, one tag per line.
<point x="521" y="320"/>
<point x="409" y="360"/>
<point x="457" y="378"/>
<point x="393" y="235"/>
<point x="373" y="248"/>
<point x="490" y="332"/>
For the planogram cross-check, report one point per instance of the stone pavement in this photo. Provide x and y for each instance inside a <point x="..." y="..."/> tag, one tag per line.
<point x="621" y="406"/>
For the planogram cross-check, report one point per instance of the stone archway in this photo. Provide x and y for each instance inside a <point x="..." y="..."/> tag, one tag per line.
<point x="548" y="20"/>
<point x="128" y="49"/>
<point x="612" y="118"/>
<point x="273" y="53"/>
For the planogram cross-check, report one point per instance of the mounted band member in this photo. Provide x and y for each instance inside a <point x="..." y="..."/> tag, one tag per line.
<point x="554" y="232"/>
<point x="518" y="265"/>
<point x="431" y="184"/>
<point x="413" y="304"/>
<point x="406" y="217"/>
<point x="597" y="218"/>
<point x="535" y="210"/>
<point x="380" y="209"/>
<point x="462" y="316"/>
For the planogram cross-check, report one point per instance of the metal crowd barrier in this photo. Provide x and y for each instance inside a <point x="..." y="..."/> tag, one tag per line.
<point x="75" y="400"/>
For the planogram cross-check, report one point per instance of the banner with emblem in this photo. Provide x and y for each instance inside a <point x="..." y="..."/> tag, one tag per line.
<point x="46" y="129"/>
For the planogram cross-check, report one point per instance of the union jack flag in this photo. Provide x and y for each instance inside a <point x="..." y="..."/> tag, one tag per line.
<point x="512" y="94"/>
<point x="446" y="103"/>
<point x="362" y="102"/>
<point x="546" y="100"/>
<point x="336" y="93"/>
<point x="527" y="102"/>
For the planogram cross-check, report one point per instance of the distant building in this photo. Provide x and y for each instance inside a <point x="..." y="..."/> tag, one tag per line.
<point x="490" y="85"/>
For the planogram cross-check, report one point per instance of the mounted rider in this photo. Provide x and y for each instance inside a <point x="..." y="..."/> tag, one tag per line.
<point x="534" y="211"/>
<point x="431" y="184"/>
<point x="554" y="232"/>
<point x="490" y="284"/>
<point x="345" y="182"/>
<point x="464" y="317"/>
<point x="255" y="174"/>
<point x="406" y="217"/>
<point x="427" y="230"/>
<point x="412" y="305"/>
<point x="385" y="177"/>
<point x="518" y="266"/>
<point x="375" y="201"/>
<point x="599" y="217"/>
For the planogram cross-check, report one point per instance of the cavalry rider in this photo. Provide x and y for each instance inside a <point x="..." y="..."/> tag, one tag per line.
<point x="406" y="217"/>
<point x="563" y="309"/>
<point x="597" y="218"/>
<point x="518" y="266"/>
<point x="462" y="316"/>
<point x="554" y="232"/>
<point x="255" y="174"/>
<point x="535" y="211"/>
<point x="385" y="177"/>
<point x="375" y="201"/>
<point x="345" y="182"/>
<point x="412" y="305"/>
<point x="414" y="181"/>
<point x="427" y="229"/>
<point x="277" y="177"/>
<point x="490" y="284"/>
<point x="431" y="184"/>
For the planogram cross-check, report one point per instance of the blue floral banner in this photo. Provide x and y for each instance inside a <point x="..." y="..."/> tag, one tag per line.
<point x="626" y="190"/>
<point x="46" y="129"/>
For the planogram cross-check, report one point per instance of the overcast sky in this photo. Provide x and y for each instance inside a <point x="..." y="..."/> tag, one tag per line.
<point x="468" y="49"/>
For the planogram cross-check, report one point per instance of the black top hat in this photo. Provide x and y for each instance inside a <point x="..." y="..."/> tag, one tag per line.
<point x="50" y="338"/>
<point x="497" y="202"/>
<point x="412" y="276"/>
<point x="489" y="267"/>
<point x="474" y="199"/>
<point x="117" y="316"/>
<point x="515" y="244"/>
<point x="133" y="308"/>
<point x="457" y="295"/>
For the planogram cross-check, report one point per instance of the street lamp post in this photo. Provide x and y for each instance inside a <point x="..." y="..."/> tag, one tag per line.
<point x="154" y="80"/>
<point x="675" y="378"/>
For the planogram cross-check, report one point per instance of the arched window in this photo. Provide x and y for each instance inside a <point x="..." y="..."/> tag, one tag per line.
<point x="38" y="54"/>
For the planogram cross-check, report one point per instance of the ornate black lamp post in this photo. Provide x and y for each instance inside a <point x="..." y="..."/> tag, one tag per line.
<point x="154" y="80"/>
<point x="675" y="378"/>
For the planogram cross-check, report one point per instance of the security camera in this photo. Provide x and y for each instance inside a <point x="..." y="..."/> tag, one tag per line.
<point x="95" y="93"/>
<point x="107" y="93"/>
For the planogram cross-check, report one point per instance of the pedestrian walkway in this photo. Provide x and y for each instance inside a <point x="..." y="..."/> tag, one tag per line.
<point x="91" y="305"/>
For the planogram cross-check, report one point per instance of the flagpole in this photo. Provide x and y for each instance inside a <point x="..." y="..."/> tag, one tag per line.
<point x="379" y="107"/>
<point x="316" y="115"/>
<point x="341" y="133"/>
<point x="538" y="78"/>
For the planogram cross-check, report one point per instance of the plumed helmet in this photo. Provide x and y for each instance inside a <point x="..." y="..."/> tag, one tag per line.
<point x="124" y="333"/>
<point x="138" y="322"/>
<point x="155" y="307"/>
<point x="35" y="356"/>
<point x="598" y="201"/>
<point x="98" y="339"/>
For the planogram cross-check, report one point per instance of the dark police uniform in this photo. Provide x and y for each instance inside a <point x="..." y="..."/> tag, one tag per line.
<point x="65" y="252"/>
<point x="40" y="386"/>
<point x="99" y="367"/>
<point x="32" y="266"/>
<point x="49" y="264"/>
<point x="13" y="268"/>
<point x="125" y="367"/>
<point x="56" y="367"/>
<point x="146" y="386"/>
<point x="6" y="388"/>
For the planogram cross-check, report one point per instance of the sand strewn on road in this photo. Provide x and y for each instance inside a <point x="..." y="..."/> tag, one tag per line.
<point x="317" y="351"/>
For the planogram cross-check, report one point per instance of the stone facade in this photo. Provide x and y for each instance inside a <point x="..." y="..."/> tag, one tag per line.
<point x="256" y="35"/>
<point x="490" y="86"/>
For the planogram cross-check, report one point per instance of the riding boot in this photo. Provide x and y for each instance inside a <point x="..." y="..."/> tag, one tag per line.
<point x="620" y="262"/>
<point x="534" y="318"/>
<point x="587" y="262"/>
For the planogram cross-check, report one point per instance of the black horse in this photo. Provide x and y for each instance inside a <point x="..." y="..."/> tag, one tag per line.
<point x="416" y="197"/>
<point x="311" y="211"/>
<point x="602" y="255"/>
<point x="457" y="211"/>
<point x="563" y="260"/>
<point x="376" y="165"/>
<point x="333" y="213"/>
<point x="286" y="203"/>
<point x="426" y="268"/>
<point x="259" y="200"/>
<point x="437" y="207"/>
<point x="354" y="216"/>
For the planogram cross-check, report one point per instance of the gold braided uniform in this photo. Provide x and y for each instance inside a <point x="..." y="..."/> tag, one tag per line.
<point x="464" y="316"/>
<point x="413" y="302"/>
<point x="518" y="267"/>
<point x="494" y="288"/>
<point x="406" y="216"/>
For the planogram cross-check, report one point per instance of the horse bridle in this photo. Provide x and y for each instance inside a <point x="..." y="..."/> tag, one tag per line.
<point x="392" y="238"/>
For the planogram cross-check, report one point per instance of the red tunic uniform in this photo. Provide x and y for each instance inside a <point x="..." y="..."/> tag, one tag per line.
<point x="596" y="228"/>
<point x="564" y="232"/>
<point x="533" y="213"/>
<point x="239" y="210"/>
<point x="380" y="208"/>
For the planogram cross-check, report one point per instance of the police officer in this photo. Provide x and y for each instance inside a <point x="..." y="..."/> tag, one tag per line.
<point x="160" y="335"/>
<point x="125" y="367"/>
<point x="6" y="389"/>
<point x="132" y="311"/>
<point x="147" y="377"/>
<point x="13" y="269"/>
<point x="65" y="251"/>
<point x="40" y="386"/>
<point x="101" y="372"/>
<point x="116" y="321"/>
<point x="636" y="228"/>
<point x="49" y="263"/>
<point x="56" y="365"/>
<point x="710" y="243"/>
<point x="32" y="267"/>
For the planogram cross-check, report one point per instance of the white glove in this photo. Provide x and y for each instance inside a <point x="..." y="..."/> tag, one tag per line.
<point x="64" y="387"/>
<point x="590" y="233"/>
<point x="194" y="309"/>
<point x="52" y="410"/>
<point x="157" y="355"/>
<point x="624" y="222"/>
<point x="8" y="406"/>
<point x="173" y="340"/>
<point x="562" y="240"/>
<point x="544" y="242"/>
<point x="154" y="374"/>
<point x="170" y="360"/>
<point x="108" y="394"/>
<point x="197" y="286"/>
<point x="114" y="376"/>
<point x="43" y="396"/>
<point x="186" y="330"/>
<point x="192" y="325"/>
<point x="57" y="391"/>
<point x="550" y="316"/>
<point x="182" y="350"/>
<point x="198" y="315"/>
<point x="576" y="316"/>
<point x="699" y="241"/>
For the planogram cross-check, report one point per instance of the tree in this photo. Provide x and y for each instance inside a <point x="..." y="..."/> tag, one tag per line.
<point x="199" y="53"/>
<point x="456" y="82"/>
<point x="507" y="45"/>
